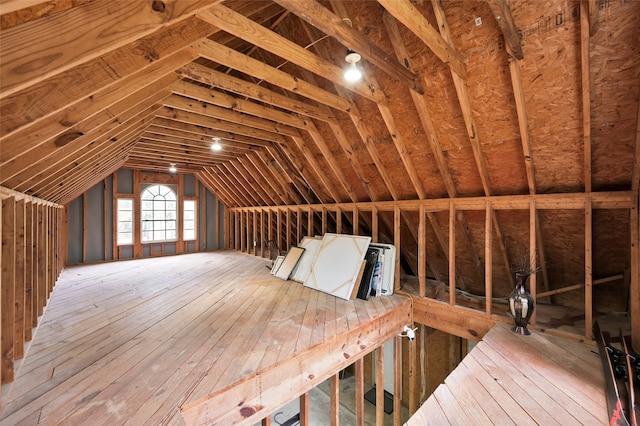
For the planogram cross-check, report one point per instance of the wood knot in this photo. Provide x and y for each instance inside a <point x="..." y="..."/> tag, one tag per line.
<point x="247" y="411"/>
<point x="158" y="6"/>
<point x="346" y="355"/>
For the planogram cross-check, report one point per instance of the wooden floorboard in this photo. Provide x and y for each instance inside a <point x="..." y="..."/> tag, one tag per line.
<point x="508" y="378"/>
<point x="135" y="342"/>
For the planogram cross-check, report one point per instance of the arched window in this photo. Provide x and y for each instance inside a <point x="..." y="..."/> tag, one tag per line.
<point x="159" y="210"/>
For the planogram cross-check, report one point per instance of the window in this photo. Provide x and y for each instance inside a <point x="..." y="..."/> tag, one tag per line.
<point x="159" y="214"/>
<point x="125" y="221"/>
<point x="189" y="220"/>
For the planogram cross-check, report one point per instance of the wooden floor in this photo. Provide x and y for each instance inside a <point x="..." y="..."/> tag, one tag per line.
<point x="509" y="379"/>
<point x="184" y="338"/>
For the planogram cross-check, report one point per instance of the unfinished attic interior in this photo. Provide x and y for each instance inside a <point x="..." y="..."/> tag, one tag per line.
<point x="157" y="158"/>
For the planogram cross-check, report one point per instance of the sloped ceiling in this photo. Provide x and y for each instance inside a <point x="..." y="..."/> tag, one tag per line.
<point x="446" y="108"/>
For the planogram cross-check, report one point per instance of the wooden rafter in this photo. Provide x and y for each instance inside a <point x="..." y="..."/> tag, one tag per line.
<point x="259" y="36"/>
<point x="333" y="25"/>
<point x="410" y="17"/>
<point x="235" y="103"/>
<point x="79" y="39"/>
<point x="222" y="54"/>
<point x="502" y="12"/>
<point x="250" y="90"/>
<point x="586" y="92"/>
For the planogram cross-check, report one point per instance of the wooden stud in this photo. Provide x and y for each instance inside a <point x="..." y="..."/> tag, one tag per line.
<point x="588" y="270"/>
<point x="7" y="287"/>
<point x="533" y="261"/>
<point x="452" y="254"/>
<point x="359" y="372"/>
<point x="586" y="93"/>
<point x="304" y="409"/>
<point x="397" y="381"/>
<point x="20" y="322"/>
<point x="334" y="397"/>
<point x="488" y="259"/>
<point x="396" y="241"/>
<point x="422" y="253"/>
<point x="634" y="293"/>
<point x="380" y="386"/>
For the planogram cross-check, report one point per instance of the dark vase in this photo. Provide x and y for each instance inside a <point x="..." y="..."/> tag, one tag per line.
<point x="521" y="304"/>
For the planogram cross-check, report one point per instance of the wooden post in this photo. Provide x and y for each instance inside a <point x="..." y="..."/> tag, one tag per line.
<point x="339" y="220"/>
<point x="588" y="268"/>
<point x="380" y="386"/>
<point x="375" y="232"/>
<point x="396" y="242"/>
<point x="335" y="399"/>
<point x="488" y="258"/>
<point x="452" y="254"/>
<point x="7" y="295"/>
<point x="304" y="409"/>
<point x="634" y="296"/>
<point x="422" y="252"/>
<point x="359" y="367"/>
<point x="19" y="287"/>
<point x="532" y="254"/>
<point x="397" y="381"/>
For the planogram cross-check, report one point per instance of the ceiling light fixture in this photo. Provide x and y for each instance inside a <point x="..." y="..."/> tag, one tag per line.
<point x="172" y="168"/>
<point x="216" y="146"/>
<point x="353" y="73"/>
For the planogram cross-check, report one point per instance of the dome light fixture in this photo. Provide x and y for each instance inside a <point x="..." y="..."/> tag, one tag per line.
<point x="353" y="73"/>
<point x="172" y="168"/>
<point x="216" y="146"/>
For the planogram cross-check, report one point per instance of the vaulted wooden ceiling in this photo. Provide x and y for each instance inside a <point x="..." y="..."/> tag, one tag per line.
<point x="459" y="98"/>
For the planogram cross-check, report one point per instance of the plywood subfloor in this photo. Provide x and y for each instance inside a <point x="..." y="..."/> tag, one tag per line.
<point x="509" y="379"/>
<point x="133" y="342"/>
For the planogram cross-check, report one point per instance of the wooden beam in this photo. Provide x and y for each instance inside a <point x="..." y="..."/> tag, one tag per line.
<point x="236" y="103"/>
<point x="251" y="90"/>
<point x="320" y="17"/>
<point x="218" y="124"/>
<point x="502" y="12"/>
<point x="488" y="259"/>
<point x="452" y="255"/>
<point x="7" y="290"/>
<point x="31" y="55"/>
<point x="231" y="58"/>
<point x="634" y="284"/>
<point x="411" y="18"/>
<point x="213" y="111"/>
<point x="588" y="270"/>
<point x="586" y="92"/>
<point x="635" y="174"/>
<point x="256" y="34"/>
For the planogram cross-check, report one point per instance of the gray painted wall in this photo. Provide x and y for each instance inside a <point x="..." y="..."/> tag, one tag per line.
<point x="99" y="227"/>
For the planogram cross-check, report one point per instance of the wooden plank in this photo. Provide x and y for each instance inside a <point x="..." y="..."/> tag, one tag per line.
<point x="335" y="26"/>
<point x="80" y="40"/>
<point x="488" y="259"/>
<point x="452" y="255"/>
<point x="231" y="58"/>
<point x="586" y="92"/>
<point x="256" y="34"/>
<point x="19" y="283"/>
<point x="502" y="12"/>
<point x="410" y="17"/>
<point x="7" y="297"/>
<point x="634" y="289"/>
<point x="359" y="373"/>
<point x="588" y="270"/>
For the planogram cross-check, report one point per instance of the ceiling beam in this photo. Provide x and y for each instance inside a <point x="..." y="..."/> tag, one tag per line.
<point x="214" y="111"/>
<point x="333" y="25"/>
<point x="235" y="103"/>
<point x="259" y="70"/>
<point x="502" y="12"/>
<point x="256" y="34"/>
<point x="251" y="90"/>
<point x="411" y="18"/>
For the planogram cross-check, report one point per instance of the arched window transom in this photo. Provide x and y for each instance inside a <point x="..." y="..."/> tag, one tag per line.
<point x="159" y="210"/>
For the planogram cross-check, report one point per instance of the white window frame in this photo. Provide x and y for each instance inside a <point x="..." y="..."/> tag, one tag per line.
<point x="120" y="221"/>
<point x="185" y="220"/>
<point x="158" y="223"/>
